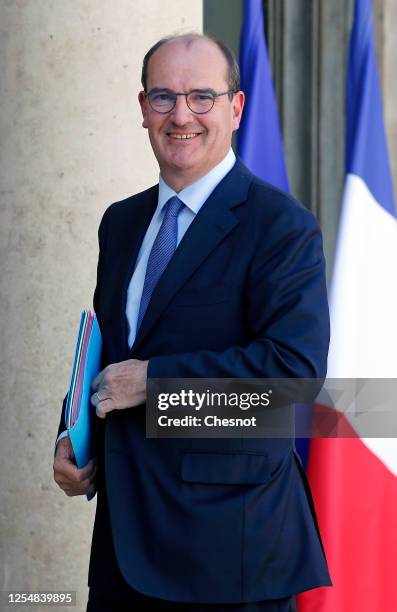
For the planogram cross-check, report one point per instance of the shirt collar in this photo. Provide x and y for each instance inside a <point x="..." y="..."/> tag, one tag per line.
<point x="194" y="195"/>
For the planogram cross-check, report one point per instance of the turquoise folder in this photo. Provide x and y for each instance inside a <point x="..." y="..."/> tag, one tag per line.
<point x="80" y="413"/>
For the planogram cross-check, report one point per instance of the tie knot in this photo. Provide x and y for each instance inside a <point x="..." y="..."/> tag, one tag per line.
<point x="173" y="206"/>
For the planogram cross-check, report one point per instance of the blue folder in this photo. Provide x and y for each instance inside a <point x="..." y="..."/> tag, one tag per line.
<point x="80" y="424"/>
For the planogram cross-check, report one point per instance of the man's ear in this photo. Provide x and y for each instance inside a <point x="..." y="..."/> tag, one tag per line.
<point x="143" y="103"/>
<point x="237" y="108"/>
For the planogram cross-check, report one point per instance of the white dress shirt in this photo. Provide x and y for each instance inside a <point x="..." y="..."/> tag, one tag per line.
<point x="193" y="197"/>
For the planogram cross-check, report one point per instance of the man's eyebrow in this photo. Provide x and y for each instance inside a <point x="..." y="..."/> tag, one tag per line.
<point x="205" y="90"/>
<point x="196" y="89"/>
<point x="157" y="89"/>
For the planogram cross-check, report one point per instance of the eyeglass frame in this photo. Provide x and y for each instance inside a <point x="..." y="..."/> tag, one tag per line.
<point x="175" y="93"/>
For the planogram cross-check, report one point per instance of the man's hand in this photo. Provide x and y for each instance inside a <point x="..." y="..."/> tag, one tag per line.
<point x="67" y="476"/>
<point x="120" y="385"/>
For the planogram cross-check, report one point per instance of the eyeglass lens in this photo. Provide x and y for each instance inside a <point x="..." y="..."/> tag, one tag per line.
<point x="164" y="101"/>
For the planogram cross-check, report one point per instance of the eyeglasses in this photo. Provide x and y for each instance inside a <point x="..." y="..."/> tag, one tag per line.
<point x="200" y="101"/>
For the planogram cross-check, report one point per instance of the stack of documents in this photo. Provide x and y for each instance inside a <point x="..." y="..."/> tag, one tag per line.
<point x="79" y="415"/>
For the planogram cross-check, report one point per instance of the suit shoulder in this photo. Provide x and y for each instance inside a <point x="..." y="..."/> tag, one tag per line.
<point x="127" y="206"/>
<point x="272" y="204"/>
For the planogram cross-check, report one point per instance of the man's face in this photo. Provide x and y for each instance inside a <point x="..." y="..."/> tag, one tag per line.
<point x="182" y="67"/>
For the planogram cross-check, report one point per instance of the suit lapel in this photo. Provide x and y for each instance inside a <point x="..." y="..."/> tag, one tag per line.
<point x="137" y="223"/>
<point x="212" y="224"/>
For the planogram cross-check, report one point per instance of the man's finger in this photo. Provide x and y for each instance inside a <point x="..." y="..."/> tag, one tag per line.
<point x="88" y="469"/>
<point x="71" y="473"/>
<point x="80" y="485"/>
<point x="72" y="492"/>
<point x="104" y="407"/>
<point x="97" y="380"/>
<point x="98" y="396"/>
<point x="95" y="398"/>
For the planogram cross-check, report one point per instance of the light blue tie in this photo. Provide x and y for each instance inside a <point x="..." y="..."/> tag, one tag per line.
<point x="162" y="250"/>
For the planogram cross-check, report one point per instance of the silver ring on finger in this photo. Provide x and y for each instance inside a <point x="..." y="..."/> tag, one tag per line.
<point x="96" y="398"/>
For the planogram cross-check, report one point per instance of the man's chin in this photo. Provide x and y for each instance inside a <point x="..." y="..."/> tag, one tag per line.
<point x="184" y="162"/>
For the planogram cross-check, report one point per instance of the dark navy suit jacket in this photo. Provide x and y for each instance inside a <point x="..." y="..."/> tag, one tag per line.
<point x="214" y="520"/>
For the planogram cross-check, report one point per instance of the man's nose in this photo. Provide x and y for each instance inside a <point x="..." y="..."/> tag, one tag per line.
<point x="181" y="113"/>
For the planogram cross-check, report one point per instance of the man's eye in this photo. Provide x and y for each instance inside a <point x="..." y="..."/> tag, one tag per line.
<point x="161" y="97"/>
<point x="202" y="97"/>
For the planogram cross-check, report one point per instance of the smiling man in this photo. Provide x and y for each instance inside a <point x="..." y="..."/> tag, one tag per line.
<point x="209" y="274"/>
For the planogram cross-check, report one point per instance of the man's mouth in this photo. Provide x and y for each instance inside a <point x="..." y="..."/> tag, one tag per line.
<point x="183" y="136"/>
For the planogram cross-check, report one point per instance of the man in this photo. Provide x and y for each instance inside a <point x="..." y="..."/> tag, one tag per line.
<point x="212" y="273"/>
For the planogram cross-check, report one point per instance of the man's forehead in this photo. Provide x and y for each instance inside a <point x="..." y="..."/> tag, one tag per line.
<point x="192" y="44"/>
<point x="199" y="55"/>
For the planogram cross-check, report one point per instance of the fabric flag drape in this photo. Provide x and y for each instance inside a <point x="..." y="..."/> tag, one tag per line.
<point x="259" y="137"/>
<point x="354" y="480"/>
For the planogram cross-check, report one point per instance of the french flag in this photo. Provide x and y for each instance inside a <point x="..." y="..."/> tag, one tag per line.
<point x="354" y="480"/>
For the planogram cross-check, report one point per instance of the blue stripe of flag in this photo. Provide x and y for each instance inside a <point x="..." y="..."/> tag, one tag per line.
<point x="366" y="146"/>
<point x="259" y="137"/>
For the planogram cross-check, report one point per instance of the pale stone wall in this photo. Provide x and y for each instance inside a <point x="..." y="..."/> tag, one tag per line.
<point x="71" y="143"/>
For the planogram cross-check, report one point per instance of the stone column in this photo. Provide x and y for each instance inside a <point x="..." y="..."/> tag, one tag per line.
<point x="71" y="143"/>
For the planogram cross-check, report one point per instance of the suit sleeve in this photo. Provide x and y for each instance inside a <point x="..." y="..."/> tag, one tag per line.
<point x="102" y="244"/>
<point x="286" y="313"/>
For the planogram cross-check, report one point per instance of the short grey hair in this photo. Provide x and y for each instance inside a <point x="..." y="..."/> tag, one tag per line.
<point x="233" y="74"/>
